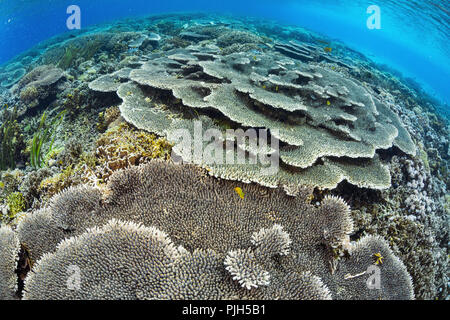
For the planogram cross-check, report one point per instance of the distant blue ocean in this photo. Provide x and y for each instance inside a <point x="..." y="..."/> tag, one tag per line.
<point x="413" y="39"/>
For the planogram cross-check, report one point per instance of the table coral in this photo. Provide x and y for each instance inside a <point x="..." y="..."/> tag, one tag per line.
<point x="263" y="242"/>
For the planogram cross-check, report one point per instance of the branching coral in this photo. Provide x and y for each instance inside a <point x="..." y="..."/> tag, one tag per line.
<point x="9" y="250"/>
<point x="264" y="241"/>
<point x="30" y="186"/>
<point x="120" y="147"/>
<point x="140" y="258"/>
<point x="242" y="266"/>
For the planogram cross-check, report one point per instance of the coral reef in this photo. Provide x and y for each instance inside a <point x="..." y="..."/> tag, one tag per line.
<point x="417" y="235"/>
<point x="347" y="128"/>
<point x="264" y="241"/>
<point x="10" y="78"/>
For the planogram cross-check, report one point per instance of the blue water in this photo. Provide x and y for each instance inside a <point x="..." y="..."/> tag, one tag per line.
<point x="413" y="39"/>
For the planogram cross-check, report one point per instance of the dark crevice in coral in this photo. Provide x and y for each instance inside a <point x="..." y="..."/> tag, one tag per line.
<point x="277" y="114"/>
<point x="356" y="196"/>
<point x="357" y="234"/>
<point x="388" y="154"/>
<point x="44" y="104"/>
<point x="342" y="122"/>
<point x="106" y="99"/>
<point x="341" y="135"/>
<point x="23" y="267"/>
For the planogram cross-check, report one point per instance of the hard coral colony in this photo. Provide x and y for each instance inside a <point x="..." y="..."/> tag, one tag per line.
<point x="92" y="166"/>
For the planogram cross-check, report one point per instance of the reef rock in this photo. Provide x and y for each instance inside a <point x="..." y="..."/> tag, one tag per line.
<point x="329" y="126"/>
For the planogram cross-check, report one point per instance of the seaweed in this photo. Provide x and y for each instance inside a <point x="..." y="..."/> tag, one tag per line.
<point x="9" y="139"/>
<point x="68" y="57"/>
<point x="86" y="51"/>
<point x="45" y="133"/>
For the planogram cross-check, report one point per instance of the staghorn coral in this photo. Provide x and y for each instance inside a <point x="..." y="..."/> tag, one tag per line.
<point x="9" y="249"/>
<point x="264" y="241"/>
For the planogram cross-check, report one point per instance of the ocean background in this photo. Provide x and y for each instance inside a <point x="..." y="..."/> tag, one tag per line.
<point x="413" y="39"/>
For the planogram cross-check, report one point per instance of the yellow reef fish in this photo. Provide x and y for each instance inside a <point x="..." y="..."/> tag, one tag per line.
<point x="2" y="185"/>
<point x="276" y="88"/>
<point x="239" y="192"/>
<point x="328" y="103"/>
<point x="328" y="49"/>
<point x="379" y="258"/>
<point x="264" y="87"/>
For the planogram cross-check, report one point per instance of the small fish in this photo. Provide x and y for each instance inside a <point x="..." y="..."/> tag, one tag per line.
<point x="239" y="192"/>
<point x="276" y="88"/>
<point x="2" y="185"/>
<point x="322" y="41"/>
<point x="264" y="87"/>
<point x="379" y="258"/>
<point x="328" y="103"/>
<point x="328" y="49"/>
